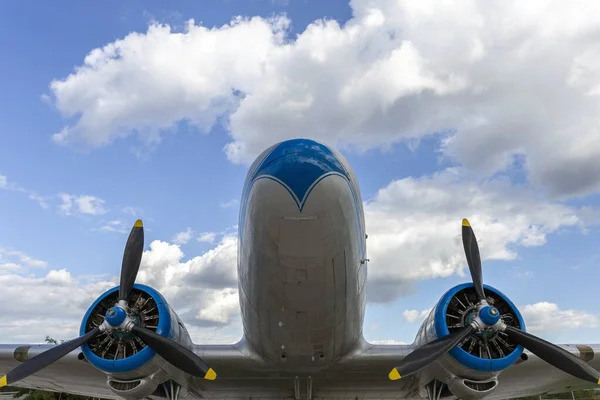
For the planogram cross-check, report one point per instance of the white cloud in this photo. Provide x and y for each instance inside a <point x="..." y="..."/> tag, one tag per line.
<point x="389" y="74"/>
<point x="15" y="257"/>
<point x="230" y="203"/>
<point x="207" y="237"/>
<point x="415" y="315"/>
<point x="545" y="317"/>
<point x="60" y="278"/>
<point x="203" y="290"/>
<point x="34" y="297"/>
<point x="414" y="227"/>
<point x="222" y="306"/>
<point x="134" y="211"/>
<point x="114" y="226"/>
<point x="41" y="200"/>
<point x="5" y="184"/>
<point x="203" y="286"/>
<point x="84" y="204"/>
<point x="9" y="266"/>
<point x="183" y="237"/>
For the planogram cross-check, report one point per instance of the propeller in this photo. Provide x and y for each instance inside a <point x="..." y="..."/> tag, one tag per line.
<point x="132" y="258"/>
<point x="488" y="318"/>
<point x="117" y="318"/>
<point x="473" y="258"/>
<point x="425" y="355"/>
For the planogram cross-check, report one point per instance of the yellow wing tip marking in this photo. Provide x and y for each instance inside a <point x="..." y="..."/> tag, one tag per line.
<point x="598" y="381"/>
<point x="465" y="222"/>
<point x="3" y="381"/>
<point x="211" y="375"/>
<point x="138" y="224"/>
<point x="394" y="375"/>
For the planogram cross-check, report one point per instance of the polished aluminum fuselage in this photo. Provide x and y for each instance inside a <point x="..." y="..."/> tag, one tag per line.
<point x="301" y="264"/>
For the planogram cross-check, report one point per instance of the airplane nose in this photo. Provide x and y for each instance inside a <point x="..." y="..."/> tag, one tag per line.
<point x="299" y="165"/>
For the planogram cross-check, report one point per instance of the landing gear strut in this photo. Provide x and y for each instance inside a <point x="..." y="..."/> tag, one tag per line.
<point x="298" y="395"/>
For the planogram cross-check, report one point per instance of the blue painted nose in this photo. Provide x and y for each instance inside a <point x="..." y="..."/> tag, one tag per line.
<point x="299" y="164"/>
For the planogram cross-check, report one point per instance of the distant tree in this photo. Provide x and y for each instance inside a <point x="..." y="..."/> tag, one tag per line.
<point x="50" y="340"/>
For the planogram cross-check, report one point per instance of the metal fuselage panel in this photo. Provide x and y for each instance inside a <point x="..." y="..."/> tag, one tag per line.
<point x="301" y="256"/>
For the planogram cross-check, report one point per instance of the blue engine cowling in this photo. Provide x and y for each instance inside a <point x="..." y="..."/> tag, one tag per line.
<point x="123" y="356"/>
<point x="483" y="354"/>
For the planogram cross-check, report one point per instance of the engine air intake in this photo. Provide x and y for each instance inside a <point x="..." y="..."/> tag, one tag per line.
<point x="118" y="345"/>
<point x="486" y="349"/>
<point x="491" y="344"/>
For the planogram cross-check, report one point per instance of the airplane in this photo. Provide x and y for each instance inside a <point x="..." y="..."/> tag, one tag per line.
<point x="302" y="270"/>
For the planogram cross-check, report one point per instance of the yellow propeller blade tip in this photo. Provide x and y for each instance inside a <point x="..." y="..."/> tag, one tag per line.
<point x="211" y="375"/>
<point x="466" y="222"/>
<point x="3" y="381"/>
<point x="598" y="381"/>
<point x="138" y="224"/>
<point x="394" y="375"/>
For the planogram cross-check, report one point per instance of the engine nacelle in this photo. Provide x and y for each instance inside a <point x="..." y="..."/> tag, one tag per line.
<point x="478" y="360"/>
<point x="134" y="370"/>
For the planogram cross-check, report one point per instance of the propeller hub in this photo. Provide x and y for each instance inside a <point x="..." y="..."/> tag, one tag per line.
<point x="489" y="315"/>
<point x="115" y="316"/>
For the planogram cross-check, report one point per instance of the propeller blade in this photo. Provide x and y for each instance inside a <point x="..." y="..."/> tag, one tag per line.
<point x="132" y="258"/>
<point x="423" y="356"/>
<point x="473" y="257"/>
<point x="554" y="355"/>
<point x="46" y="358"/>
<point x="176" y="354"/>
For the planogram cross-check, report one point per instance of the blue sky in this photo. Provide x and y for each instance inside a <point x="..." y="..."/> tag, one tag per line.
<point x="386" y="124"/>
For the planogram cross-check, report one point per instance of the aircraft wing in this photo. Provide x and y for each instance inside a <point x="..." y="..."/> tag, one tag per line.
<point x="362" y="374"/>
<point x="69" y="374"/>
<point x="536" y="377"/>
<point x="73" y="374"/>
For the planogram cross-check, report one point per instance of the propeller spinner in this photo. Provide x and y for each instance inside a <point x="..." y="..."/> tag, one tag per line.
<point x="488" y="318"/>
<point x="117" y="318"/>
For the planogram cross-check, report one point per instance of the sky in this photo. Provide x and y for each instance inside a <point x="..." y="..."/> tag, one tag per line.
<point x="115" y="111"/>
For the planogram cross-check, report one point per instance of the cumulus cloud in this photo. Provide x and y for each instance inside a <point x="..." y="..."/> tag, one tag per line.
<point x="204" y="287"/>
<point x="3" y="181"/>
<point x="414" y="227"/>
<point x="203" y="290"/>
<point x="207" y="237"/>
<point x="391" y="73"/>
<point x="415" y="315"/>
<point x="60" y="278"/>
<point x="82" y="204"/>
<point x="57" y="290"/>
<point x="183" y="237"/>
<point x="545" y="317"/>
<point x="223" y="306"/>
